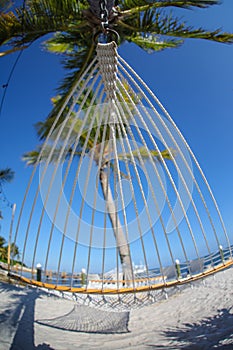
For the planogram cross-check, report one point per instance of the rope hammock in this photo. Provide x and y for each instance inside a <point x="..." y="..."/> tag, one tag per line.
<point x="82" y="319"/>
<point x="123" y="213"/>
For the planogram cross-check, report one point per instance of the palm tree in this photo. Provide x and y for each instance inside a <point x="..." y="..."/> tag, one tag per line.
<point x="3" y="253"/>
<point x="6" y="175"/>
<point x="14" y="251"/>
<point x="107" y="164"/>
<point x="72" y="25"/>
<point x="15" y="254"/>
<point x="3" y="249"/>
<point x="2" y="241"/>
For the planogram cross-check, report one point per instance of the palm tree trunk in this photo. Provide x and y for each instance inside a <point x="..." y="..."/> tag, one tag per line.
<point x="121" y="241"/>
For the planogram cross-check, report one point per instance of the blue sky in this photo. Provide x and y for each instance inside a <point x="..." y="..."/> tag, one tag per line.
<point x="194" y="82"/>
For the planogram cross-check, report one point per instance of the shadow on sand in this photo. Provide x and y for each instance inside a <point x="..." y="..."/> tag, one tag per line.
<point x="20" y="318"/>
<point x="211" y="333"/>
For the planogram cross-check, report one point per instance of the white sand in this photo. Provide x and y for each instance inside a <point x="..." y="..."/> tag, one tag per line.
<point x="196" y="318"/>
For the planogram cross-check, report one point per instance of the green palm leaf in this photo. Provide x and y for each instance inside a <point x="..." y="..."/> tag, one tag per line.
<point x="144" y="154"/>
<point x="39" y="18"/>
<point x="6" y="175"/>
<point x="153" y="43"/>
<point x="142" y="5"/>
<point x="158" y="27"/>
<point x="139" y="21"/>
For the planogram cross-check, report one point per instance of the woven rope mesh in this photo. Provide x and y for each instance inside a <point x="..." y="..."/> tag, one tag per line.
<point x="117" y="205"/>
<point x="87" y="319"/>
<point x="117" y="303"/>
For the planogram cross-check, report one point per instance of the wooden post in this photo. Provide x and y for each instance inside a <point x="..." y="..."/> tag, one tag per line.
<point x="177" y="265"/>
<point x="221" y="253"/>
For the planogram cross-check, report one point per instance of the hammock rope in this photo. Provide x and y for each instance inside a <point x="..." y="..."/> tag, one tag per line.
<point x="186" y="145"/>
<point x="118" y="183"/>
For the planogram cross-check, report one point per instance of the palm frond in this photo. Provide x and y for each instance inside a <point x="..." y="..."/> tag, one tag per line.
<point x="6" y="175"/>
<point x="142" y="5"/>
<point x="43" y="127"/>
<point x="173" y="27"/>
<point x="37" y="19"/>
<point x="32" y="157"/>
<point x="154" y="43"/>
<point x="78" y="59"/>
<point x="156" y="25"/>
<point x="140" y="21"/>
<point x="186" y="3"/>
<point x="14" y="49"/>
<point x="144" y="153"/>
<point x="9" y="27"/>
<point x="39" y="156"/>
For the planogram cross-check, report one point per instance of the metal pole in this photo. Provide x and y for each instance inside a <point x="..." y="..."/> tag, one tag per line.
<point x="10" y="235"/>
<point x="38" y="272"/>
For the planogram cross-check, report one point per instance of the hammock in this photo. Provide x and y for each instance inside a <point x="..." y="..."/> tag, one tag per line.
<point x="83" y="319"/>
<point x="123" y="213"/>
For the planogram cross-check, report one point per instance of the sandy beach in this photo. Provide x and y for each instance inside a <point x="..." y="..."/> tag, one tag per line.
<point x="200" y="317"/>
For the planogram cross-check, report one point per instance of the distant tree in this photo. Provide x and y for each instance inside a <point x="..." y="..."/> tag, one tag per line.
<point x="15" y="254"/>
<point x="3" y="248"/>
<point x="14" y="251"/>
<point x="3" y="253"/>
<point x="2" y="241"/>
<point x="6" y="175"/>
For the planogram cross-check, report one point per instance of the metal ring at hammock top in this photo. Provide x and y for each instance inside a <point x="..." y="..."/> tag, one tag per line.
<point x="110" y="31"/>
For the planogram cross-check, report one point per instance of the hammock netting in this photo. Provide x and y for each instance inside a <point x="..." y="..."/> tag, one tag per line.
<point x="117" y="210"/>
<point x="84" y="319"/>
